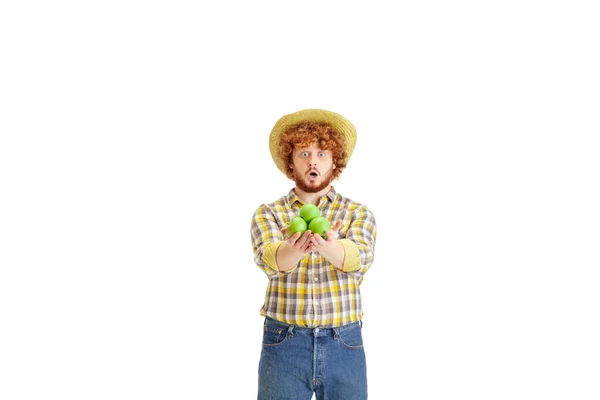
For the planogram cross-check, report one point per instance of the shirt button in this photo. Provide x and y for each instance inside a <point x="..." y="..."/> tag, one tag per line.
<point x="316" y="279"/>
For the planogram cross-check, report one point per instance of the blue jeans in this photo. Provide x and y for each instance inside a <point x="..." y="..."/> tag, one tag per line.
<point x="296" y="362"/>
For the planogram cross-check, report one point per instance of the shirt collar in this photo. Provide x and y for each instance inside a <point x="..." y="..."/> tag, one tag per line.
<point x="292" y="197"/>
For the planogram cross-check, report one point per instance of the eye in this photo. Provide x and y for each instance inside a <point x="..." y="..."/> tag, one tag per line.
<point x="321" y="154"/>
<point x="304" y="154"/>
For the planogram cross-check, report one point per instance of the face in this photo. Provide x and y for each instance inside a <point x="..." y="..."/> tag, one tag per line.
<point x="313" y="168"/>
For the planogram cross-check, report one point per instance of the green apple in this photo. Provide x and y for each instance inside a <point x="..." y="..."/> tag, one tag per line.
<point x="297" y="224"/>
<point x="309" y="212"/>
<point x="320" y="225"/>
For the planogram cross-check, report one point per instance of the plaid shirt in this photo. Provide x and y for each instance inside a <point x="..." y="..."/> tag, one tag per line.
<point x="314" y="292"/>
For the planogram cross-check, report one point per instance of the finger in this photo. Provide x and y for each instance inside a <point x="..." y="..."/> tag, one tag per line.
<point x="309" y="247"/>
<point x="305" y="246"/>
<point x="294" y="238"/>
<point x="305" y="238"/>
<point x="337" y="225"/>
<point x="318" y="240"/>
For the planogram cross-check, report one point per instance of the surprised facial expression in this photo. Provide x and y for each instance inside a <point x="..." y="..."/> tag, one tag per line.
<point x="313" y="168"/>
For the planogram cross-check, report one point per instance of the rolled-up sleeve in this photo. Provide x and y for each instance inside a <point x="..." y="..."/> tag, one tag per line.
<point x="359" y="243"/>
<point x="266" y="239"/>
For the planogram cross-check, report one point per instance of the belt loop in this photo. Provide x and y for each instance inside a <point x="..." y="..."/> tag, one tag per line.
<point x="291" y="330"/>
<point x="360" y="322"/>
<point x="336" y="333"/>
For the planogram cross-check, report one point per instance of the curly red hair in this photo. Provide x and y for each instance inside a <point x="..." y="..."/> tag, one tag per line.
<point x="306" y="133"/>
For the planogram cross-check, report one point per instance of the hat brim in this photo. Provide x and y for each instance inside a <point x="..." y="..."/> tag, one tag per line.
<point x="339" y="123"/>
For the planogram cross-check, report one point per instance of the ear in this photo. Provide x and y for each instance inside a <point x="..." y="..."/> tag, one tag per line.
<point x="333" y="166"/>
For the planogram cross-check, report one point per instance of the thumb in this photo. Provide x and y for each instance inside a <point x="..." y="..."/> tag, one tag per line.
<point x="336" y="225"/>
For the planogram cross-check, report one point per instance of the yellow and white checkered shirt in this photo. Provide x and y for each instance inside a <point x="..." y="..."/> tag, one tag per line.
<point x="314" y="292"/>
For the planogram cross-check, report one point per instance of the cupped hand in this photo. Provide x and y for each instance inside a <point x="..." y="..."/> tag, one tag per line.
<point x="331" y="234"/>
<point x="300" y="243"/>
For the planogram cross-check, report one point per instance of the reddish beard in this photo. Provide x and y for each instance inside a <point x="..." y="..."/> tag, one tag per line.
<point x="303" y="184"/>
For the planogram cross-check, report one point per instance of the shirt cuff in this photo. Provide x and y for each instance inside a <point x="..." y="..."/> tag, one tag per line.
<point x="270" y="255"/>
<point x="351" y="256"/>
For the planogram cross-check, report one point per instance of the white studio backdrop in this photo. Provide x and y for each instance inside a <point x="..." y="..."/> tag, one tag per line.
<point x="133" y="152"/>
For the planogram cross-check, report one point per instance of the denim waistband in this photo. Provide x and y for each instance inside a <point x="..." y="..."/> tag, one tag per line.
<point x="316" y="331"/>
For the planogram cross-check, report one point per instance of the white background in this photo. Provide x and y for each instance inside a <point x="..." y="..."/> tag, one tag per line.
<point x="134" y="150"/>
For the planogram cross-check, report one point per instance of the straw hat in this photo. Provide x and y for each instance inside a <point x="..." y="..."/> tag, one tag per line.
<point x="339" y="123"/>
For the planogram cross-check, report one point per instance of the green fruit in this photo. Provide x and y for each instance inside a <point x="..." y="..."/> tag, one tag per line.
<point x="309" y="212"/>
<point x="297" y="224"/>
<point x="320" y="225"/>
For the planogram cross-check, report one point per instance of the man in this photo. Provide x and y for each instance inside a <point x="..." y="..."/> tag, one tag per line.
<point x="312" y="340"/>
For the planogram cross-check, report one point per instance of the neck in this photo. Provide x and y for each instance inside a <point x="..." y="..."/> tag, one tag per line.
<point x="312" y="198"/>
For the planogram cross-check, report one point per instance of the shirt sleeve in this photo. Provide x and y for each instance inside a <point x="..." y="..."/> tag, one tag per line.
<point x="359" y="243"/>
<point x="266" y="239"/>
